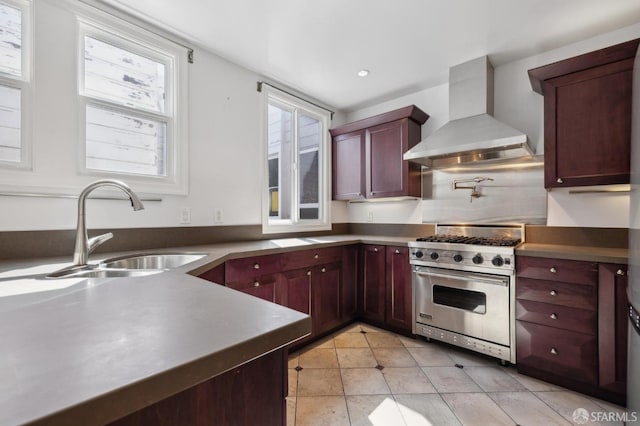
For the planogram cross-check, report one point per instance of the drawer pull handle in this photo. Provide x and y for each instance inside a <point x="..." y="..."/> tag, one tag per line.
<point x="256" y="266"/>
<point x="316" y="256"/>
<point x="553" y="351"/>
<point x="375" y="249"/>
<point x="397" y="251"/>
<point x="256" y="284"/>
<point x="553" y="293"/>
<point x="553" y="270"/>
<point x="324" y="269"/>
<point x="553" y="316"/>
<point x="619" y="272"/>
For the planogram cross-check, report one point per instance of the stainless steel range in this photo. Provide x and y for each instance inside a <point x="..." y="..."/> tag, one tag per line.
<point x="464" y="287"/>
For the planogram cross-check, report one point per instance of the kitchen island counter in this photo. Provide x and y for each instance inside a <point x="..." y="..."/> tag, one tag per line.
<point x="90" y="351"/>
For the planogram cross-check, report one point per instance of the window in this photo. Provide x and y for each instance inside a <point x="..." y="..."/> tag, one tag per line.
<point x="129" y="95"/>
<point x="296" y="196"/>
<point x="14" y="79"/>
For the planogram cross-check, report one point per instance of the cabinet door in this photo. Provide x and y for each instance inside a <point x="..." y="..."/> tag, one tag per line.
<point x="587" y="126"/>
<point x="350" y="276"/>
<point x="398" y="288"/>
<point x="297" y="287"/>
<point x="612" y="327"/>
<point x="386" y="172"/>
<point x="326" y="297"/>
<point x="348" y="166"/>
<point x="372" y="296"/>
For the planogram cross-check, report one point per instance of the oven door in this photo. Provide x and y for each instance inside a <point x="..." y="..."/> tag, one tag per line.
<point x="469" y="303"/>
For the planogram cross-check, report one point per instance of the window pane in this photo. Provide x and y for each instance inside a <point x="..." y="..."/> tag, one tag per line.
<point x="118" y="75"/>
<point x="121" y="142"/>
<point x="10" y="40"/>
<point x="10" y="124"/>
<point x="279" y="146"/>
<point x="309" y="142"/>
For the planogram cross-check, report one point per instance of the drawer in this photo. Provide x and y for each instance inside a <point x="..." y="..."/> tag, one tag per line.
<point x="249" y="267"/>
<point x="564" y="353"/>
<point x="307" y="258"/>
<point x="572" y="319"/>
<point x="264" y="287"/>
<point x="569" y="271"/>
<point x="557" y="293"/>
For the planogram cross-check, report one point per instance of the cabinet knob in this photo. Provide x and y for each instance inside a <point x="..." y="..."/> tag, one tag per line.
<point x="559" y="180"/>
<point x="553" y="293"/>
<point x="375" y="249"/>
<point x="553" y="351"/>
<point x="372" y="193"/>
<point x="316" y="256"/>
<point x="359" y="194"/>
<point x="620" y="272"/>
<point x="256" y="266"/>
<point x="309" y="273"/>
<point x="553" y="316"/>
<point x="397" y="251"/>
<point x="256" y="284"/>
<point x="324" y="269"/>
<point x="553" y="270"/>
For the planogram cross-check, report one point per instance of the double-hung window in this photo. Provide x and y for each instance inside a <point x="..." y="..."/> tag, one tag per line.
<point x="296" y="194"/>
<point x="129" y="96"/>
<point x="15" y="51"/>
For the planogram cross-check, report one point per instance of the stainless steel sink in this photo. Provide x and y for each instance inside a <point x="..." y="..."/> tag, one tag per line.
<point x="151" y="261"/>
<point x="93" y="272"/>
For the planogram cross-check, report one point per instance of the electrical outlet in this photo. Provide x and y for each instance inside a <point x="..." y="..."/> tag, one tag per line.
<point x="218" y="217"/>
<point x="370" y="216"/>
<point x="185" y="215"/>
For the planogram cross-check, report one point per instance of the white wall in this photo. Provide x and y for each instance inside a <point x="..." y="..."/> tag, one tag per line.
<point x="519" y="106"/>
<point x="225" y="167"/>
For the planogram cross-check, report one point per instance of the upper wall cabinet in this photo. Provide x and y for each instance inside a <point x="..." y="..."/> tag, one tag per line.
<point x="587" y="117"/>
<point x="367" y="156"/>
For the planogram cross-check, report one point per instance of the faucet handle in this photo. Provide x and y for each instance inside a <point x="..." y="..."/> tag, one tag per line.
<point x="94" y="242"/>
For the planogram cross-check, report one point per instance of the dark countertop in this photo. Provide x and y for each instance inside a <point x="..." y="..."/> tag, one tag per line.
<point x="586" y="253"/>
<point x="89" y="351"/>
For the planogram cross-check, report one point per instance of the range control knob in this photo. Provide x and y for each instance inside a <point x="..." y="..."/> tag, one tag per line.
<point x="497" y="261"/>
<point x="457" y="258"/>
<point x="419" y="254"/>
<point x="477" y="259"/>
<point x="434" y="255"/>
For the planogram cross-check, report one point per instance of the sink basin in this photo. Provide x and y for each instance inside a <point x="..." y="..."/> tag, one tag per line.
<point x="151" y="261"/>
<point x="102" y="273"/>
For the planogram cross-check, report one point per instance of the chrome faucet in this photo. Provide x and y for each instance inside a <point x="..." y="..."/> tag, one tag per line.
<point x="84" y="244"/>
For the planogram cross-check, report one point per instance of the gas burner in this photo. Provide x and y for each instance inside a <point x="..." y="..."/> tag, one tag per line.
<point x="462" y="239"/>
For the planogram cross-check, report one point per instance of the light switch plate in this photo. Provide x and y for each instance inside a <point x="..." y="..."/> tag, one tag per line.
<point x="185" y="215"/>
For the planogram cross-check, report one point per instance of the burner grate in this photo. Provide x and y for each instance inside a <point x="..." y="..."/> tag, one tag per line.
<point x="463" y="239"/>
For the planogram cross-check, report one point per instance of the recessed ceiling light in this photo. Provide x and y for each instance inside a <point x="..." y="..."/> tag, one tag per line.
<point x="363" y="73"/>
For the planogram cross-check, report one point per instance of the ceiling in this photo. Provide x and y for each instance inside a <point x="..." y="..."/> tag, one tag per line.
<point x="317" y="47"/>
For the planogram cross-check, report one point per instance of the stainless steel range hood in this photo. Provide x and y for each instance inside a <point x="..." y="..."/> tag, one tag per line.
<point x="472" y="135"/>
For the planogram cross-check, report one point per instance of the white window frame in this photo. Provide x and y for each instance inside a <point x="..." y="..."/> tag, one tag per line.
<point x="22" y="83"/>
<point x="139" y="41"/>
<point x="295" y="224"/>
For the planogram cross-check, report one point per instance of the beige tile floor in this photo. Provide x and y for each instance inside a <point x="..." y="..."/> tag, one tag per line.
<point x="363" y="375"/>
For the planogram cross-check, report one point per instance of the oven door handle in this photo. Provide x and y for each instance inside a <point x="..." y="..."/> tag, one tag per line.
<point x="502" y="281"/>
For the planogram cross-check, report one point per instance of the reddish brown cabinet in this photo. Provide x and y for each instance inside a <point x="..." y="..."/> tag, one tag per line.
<point x="399" y="297"/>
<point x="571" y="325"/>
<point x="372" y="295"/>
<point x="587" y="116"/>
<point x="612" y="331"/>
<point x="367" y="156"/>
<point x="386" y="290"/>
<point x="326" y="285"/>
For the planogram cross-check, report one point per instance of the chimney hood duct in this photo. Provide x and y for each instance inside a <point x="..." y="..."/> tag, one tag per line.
<point x="472" y="135"/>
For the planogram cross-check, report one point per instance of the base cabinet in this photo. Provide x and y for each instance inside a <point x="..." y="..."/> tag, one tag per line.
<point x="386" y="291"/>
<point x="251" y="394"/>
<point x="326" y="285"/>
<point x="571" y="325"/>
